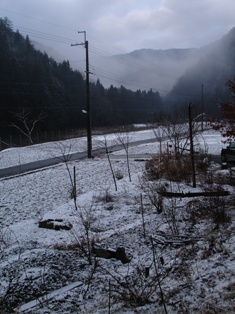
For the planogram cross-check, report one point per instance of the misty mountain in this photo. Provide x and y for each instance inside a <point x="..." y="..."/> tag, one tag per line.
<point x="207" y="77"/>
<point x="180" y="75"/>
<point x="148" y="68"/>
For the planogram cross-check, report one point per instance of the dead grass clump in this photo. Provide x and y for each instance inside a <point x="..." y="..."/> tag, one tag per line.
<point x="153" y="169"/>
<point x="67" y="247"/>
<point x="105" y="197"/>
<point x="118" y="175"/>
<point x="225" y="177"/>
<point x="211" y="208"/>
<point x="173" y="168"/>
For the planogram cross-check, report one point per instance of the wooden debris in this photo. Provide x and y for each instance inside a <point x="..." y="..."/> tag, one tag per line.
<point x="55" y="224"/>
<point x="119" y="254"/>
<point x="165" y="239"/>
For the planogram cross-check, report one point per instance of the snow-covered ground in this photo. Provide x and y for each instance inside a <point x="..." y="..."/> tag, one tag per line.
<point x="15" y="156"/>
<point x="195" y="278"/>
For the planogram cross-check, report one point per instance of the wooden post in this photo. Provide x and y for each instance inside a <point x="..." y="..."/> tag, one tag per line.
<point x="191" y="144"/>
<point x="109" y="297"/>
<point x="74" y="184"/>
<point x="142" y="214"/>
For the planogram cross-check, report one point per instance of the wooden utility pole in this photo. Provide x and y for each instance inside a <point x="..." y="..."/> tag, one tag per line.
<point x="191" y="144"/>
<point x="88" y="109"/>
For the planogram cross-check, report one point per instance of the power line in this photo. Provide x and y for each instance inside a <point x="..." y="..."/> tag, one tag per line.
<point x="36" y="19"/>
<point x="119" y="59"/>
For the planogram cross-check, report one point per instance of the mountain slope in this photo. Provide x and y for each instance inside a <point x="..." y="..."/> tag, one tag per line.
<point x="148" y="68"/>
<point x="214" y="68"/>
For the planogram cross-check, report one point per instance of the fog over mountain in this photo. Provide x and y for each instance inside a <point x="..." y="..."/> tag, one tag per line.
<point x="178" y="74"/>
<point x="49" y="50"/>
<point x="140" y="69"/>
<point x="212" y="70"/>
<point x="147" y="68"/>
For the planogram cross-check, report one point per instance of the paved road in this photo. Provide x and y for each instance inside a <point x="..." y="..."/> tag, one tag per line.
<point x="35" y="165"/>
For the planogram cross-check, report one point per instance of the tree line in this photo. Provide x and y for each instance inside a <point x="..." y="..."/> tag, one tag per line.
<point x="33" y="83"/>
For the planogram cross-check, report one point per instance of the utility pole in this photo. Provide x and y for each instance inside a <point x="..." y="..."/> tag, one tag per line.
<point x="88" y="109"/>
<point x="191" y="143"/>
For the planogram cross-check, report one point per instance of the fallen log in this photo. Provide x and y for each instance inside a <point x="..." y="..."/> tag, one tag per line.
<point x="194" y="194"/>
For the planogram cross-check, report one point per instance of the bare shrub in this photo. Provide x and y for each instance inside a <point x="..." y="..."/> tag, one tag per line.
<point x="170" y="212"/>
<point x="82" y="234"/>
<point x="104" y="144"/>
<point x="9" y="276"/>
<point x="137" y="288"/>
<point x="168" y="209"/>
<point x="124" y="140"/>
<point x="156" y="199"/>
<point x="154" y="193"/>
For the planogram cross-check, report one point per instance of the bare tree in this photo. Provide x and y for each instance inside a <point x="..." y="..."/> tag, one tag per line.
<point x="65" y="149"/>
<point x="104" y="144"/>
<point x="26" y="124"/>
<point x="174" y="127"/>
<point x="124" y="140"/>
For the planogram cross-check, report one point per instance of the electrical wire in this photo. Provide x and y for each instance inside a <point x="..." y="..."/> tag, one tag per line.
<point x="119" y="59"/>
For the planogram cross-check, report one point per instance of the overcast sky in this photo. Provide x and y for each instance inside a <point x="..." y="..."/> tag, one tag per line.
<point x="120" y="26"/>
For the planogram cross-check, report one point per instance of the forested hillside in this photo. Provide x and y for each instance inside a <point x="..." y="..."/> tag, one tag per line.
<point x="207" y="78"/>
<point x="35" y="83"/>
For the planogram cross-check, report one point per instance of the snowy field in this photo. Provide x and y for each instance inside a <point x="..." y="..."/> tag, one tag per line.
<point x="35" y="262"/>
